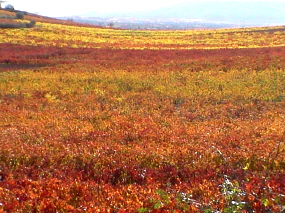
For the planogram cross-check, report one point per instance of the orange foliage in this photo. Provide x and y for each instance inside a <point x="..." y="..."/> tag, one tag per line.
<point x="124" y="130"/>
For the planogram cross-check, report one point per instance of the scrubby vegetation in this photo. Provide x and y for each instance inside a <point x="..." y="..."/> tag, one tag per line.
<point x="19" y="15"/>
<point x="17" y="25"/>
<point x="8" y="20"/>
<point x="102" y="120"/>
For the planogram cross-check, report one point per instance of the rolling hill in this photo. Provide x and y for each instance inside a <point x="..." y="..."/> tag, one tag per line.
<point x="103" y="120"/>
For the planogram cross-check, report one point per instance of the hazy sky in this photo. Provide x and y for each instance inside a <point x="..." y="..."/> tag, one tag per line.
<point x="71" y="7"/>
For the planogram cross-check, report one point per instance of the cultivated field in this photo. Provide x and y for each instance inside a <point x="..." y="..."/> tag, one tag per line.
<point x="103" y="120"/>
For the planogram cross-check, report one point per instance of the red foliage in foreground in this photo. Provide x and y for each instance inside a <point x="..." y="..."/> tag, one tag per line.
<point x="82" y="152"/>
<point x="145" y="60"/>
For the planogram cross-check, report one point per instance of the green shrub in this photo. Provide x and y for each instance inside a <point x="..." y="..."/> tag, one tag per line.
<point x="11" y="25"/>
<point x="31" y="24"/>
<point x="19" y="15"/>
<point x="17" y="25"/>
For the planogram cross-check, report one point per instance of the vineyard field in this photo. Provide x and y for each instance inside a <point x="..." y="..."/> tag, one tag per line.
<point x="107" y="120"/>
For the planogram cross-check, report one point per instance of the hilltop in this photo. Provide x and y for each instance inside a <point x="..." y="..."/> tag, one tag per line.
<point x="11" y="17"/>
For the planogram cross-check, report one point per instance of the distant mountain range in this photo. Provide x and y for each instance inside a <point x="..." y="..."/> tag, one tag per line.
<point x="235" y="13"/>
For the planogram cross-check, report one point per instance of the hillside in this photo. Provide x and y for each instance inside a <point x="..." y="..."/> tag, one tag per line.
<point x="10" y="17"/>
<point x="107" y="120"/>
